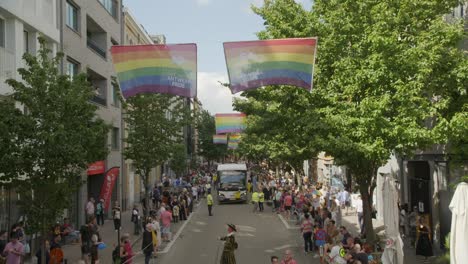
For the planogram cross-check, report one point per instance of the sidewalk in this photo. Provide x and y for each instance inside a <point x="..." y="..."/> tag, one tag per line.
<point x="72" y="252"/>
<point x="351" y="223"/>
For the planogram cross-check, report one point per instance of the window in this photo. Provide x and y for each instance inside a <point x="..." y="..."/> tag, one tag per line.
<point x="72" y="16"/>
<point x="72" y="68"/>
<point x="25" y="41"/>
<point x="462" y="13"/>
<point x="115" y="96"/>
<point x="115" y="138"/>
<point x="2" y="33"/>
<point x="110" y="6"/>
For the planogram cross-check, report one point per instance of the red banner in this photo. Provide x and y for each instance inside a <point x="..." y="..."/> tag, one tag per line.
<point x="98" y="167"/>
<point x="109" y="181"/>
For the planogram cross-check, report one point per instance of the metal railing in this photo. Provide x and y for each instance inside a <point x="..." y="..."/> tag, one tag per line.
<point x="99" y="100"/>
<point x="92" y="45"/>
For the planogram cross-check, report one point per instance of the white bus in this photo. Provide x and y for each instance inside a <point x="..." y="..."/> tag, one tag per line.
<point x="232" y="183"/>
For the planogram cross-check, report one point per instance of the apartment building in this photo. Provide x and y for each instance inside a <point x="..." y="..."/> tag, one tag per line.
<point x="21" y="22"/>
<point x="88" y="30"/>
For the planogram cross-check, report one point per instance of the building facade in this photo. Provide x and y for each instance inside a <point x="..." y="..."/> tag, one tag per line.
<point x="21" y="23"/>
<point x="88" y="30"/>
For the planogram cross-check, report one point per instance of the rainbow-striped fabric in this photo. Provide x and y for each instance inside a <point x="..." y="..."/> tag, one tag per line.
<point x="235" y="138"/>
<point x="230" y="123"/>
<point x="233" y="145"/>
<point x="220" y="139"/>
<point x="253" y="64"/>
<point x="170" y="69"/>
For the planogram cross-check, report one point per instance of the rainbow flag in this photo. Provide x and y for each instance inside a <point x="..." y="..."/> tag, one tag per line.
<point x="233" y="145"/>
<point x="220" y="139"/>
<point x="170" y="69"/>
<point x="235" y="138"/>
<point x="230" y="123"/>
<point x="253" y="64"/>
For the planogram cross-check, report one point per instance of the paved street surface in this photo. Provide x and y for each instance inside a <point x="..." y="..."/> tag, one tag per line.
<point x="259" y="237"/>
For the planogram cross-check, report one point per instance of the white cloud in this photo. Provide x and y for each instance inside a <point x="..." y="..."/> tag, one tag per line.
<point x="214" y="97"/>
<point x="203" y="2"/>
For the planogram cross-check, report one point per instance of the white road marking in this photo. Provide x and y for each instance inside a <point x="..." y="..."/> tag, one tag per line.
<point x="283" y="247"/>
<point x="174" y="238"/>
<point x="286" y="224"/>
<point x="244" y="235"/>
<point x="200" y="223"/>
<point x="246" y="228"/>
<point x="269" y="251"/>
<point x="197" y="230"/>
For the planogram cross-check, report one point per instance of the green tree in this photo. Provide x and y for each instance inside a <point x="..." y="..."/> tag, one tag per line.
<point x="386" y="71"/>
<point x="178" y="162"/>
<point x="206" y="129"/>
<point x="155" y="125"/>
<point x="59" y="136"/>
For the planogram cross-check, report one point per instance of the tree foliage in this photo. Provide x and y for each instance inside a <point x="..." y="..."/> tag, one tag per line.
<point x="206" y="129"/>
<point x="389" y="77"/>
<point x="178" y="162"/>
<point x="155" y="125"/>
<point x="50" y="144"/>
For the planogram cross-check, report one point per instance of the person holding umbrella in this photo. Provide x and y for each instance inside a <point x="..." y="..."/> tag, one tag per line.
<point x="230" y="245"/>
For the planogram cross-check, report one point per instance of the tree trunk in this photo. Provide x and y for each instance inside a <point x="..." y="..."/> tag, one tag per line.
<point x="349" y="180"/>
<point x="367" y="210"/>
<point x="146" y="198"/>
<point x="43" y="239"/>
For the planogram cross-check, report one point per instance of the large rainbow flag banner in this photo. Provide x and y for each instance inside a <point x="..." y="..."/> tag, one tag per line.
<point x="170" y="69"/>
<point x="220" y="139"/>
<point x="253" y="64"/>
<point x="230" y="123"/>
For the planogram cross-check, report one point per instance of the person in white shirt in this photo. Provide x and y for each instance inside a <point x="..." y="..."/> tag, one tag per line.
<point x="335" y="255"/>
<point x="360" y="213"/>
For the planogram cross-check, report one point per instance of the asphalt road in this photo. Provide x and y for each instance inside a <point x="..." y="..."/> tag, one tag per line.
<point x="259" y="236"/>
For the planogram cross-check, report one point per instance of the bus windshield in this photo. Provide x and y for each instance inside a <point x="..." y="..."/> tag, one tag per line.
<point x="232" y="179"/>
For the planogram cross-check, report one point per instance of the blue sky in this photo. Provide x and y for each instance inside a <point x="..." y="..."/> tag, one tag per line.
<point x="208" y="23"/>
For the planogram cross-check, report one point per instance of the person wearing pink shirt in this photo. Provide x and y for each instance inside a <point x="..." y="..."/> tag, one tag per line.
<point x="287" y="204"/>
<point x="13" y="250"/>
<point x="288" y="259"/>
<point x="166" y="219"/>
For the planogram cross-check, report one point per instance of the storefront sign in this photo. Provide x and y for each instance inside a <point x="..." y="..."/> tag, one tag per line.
<point x="98" y="167"/>
<point x="108" y="185"/>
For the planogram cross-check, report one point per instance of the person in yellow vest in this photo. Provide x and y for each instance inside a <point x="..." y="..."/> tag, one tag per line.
<point x="255" y="199"/>
<point x="261" y="200"/>
<point x="209" y="202"/>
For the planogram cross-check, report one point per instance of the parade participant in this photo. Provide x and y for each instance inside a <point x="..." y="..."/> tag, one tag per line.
<point x="288" y="259"/>
<point x="360" y="213"/>
<point x="147" y="243"/>
<point x="13" y="251"/>
<point x="274" y="260"/>
<point x="261" y="201"/>
<point x="255" y="200"/>
<point x="136" y="220"/>
<point x="306" y="228"/>
<point x="288" y="201"/>
<point x="166" y="219"/>
<point x="230" y="245"/>
<point x="320" y="236"/>
<point x="209" y="202"/>
<point x="126" y="252"/>
<point x="116" y="213"/>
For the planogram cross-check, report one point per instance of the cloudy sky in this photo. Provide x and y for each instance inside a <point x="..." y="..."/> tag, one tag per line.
<point x="208" y="23"/>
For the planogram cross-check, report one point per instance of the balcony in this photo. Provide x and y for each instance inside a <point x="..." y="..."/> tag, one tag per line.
<point x="100" y="85"/>
<point x="94" y="46"/>
<point x="96" y="37"/>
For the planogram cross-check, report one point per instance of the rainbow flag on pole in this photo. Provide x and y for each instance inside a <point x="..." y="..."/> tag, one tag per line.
<point x="220" y="139"/>
<point x="170" y="69"/>
<point x="253" y="64"/>
<point x="230" y="123"/>
<point x="235" y="138"/>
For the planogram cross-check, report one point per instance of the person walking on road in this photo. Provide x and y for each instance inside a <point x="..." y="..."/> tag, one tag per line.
<point x="209" y="202"/>
<point x="147" y="243"/>
<point x="255" y="199"/>
<point x="90" y="208"/>
<point x="261" y="201"/>
<point x="360" y="213"/>
<point x="306" y="228"/>
<point x="230" y="245"/>
<point x="288" y="259"/>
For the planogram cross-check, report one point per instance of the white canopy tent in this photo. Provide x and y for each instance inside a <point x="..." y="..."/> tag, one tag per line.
<point x="459" y="229"/>
<point x="393" y="253"/>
